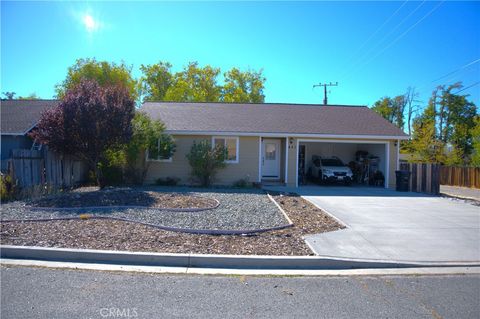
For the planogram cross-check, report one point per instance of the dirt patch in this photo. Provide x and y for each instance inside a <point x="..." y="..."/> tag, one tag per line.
<point x="120" y="235"/>
<point x="125" y="197"/>
<point x="306" y="217"/>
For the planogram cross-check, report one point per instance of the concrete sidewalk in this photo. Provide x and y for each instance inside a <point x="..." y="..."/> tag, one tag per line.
<point x="388" y="225"/>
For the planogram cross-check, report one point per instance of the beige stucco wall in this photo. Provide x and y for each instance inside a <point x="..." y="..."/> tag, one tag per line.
<point x="292" y="160"/>
<point x="247" y="166"/>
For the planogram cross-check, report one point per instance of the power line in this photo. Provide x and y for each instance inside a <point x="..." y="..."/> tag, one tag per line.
<point x="376" y="31"/>
<point x="455" y="77"/>
<point x="465" y="88"/>
<point x="382" y="40"/>
<point x="456" y="70"/>
<point x="401" y="35"/>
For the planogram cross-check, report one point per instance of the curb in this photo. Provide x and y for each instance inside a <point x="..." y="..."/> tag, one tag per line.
<point x="210" y="261"/>
<point x="425" y="271"/>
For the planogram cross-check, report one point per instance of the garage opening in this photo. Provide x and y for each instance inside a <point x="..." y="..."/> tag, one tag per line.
<point x="347" y="163"/>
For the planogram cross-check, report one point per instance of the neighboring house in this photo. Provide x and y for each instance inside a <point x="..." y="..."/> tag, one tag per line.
<point x="273" y="142"/>
<point x="18" y="118"/>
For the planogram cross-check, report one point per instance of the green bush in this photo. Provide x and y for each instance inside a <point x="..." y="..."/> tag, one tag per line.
<point x="243" y="183"/>
<point x="206" y="160"/>
<point x="7" y="188"/>
<point x="111" y="173"/>
<point x="148" y="136"/>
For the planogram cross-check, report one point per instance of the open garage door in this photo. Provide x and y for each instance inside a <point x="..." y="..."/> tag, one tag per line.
<point x="346" y="162"/>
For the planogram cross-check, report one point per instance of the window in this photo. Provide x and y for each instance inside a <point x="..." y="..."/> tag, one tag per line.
<point x="231" y="144"/>
<point x="159" y="157"/>
<point x="270" y="151"/>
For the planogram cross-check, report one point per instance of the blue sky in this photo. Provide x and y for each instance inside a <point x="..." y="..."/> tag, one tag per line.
<point x="372" y="49"/>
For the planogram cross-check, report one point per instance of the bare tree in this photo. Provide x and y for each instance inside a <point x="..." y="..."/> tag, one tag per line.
<point x="412" y="106"/>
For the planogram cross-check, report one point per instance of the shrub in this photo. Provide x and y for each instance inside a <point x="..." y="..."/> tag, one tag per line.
<point x="88" y="121"/>
<point x="148" y="136"/>
<point x="169" y="181"/>
<point x="7" y="188"/>
<point x="112" y="175"/>
<point x="243" y="183"/>
<point x="206" y="160"/>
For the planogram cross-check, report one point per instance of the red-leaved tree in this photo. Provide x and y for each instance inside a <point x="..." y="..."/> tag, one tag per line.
<point x="89" y="121"/>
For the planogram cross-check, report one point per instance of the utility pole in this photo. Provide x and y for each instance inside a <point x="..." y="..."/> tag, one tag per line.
<point x="325" y="99"/>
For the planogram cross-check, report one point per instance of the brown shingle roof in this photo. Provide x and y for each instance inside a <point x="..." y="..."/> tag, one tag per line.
<point x="271" y="118"/>
<point x="19" y="116"/>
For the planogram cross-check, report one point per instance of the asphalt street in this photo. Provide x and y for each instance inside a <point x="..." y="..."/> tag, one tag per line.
<point x="55" y="293"/>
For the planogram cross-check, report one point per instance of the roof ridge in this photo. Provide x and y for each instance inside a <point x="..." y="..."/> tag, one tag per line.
<point x="251" y="103"/>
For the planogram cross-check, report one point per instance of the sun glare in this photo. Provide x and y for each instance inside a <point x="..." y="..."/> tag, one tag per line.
<point x="89" y="23"/>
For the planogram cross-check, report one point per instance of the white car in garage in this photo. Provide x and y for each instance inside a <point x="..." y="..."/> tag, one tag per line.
<point x="330" y="169"/>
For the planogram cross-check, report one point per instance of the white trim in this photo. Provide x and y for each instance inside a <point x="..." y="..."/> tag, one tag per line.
<point x="296" y="165"/>
<point x="287" y="146"/>
<point x="166" y="160"/>
<point x="279" y="159"/>
<point x="237" y="139"/>
<point x="342" y="141"/>
<point x="259" y="159"/>
<point x="280" y="135"/>
<point x="398" y="155"/>
<point x="387" y="153"/>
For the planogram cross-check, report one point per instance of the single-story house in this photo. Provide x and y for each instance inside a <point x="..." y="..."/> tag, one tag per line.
<point x="274" y="141"/>
<point x="18" y="118"/>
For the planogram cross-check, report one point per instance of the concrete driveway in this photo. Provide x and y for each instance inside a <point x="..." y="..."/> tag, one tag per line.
<point x="389" y="225"/>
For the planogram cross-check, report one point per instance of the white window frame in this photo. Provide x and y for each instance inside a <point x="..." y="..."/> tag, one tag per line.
<point x="164" y="160"/>
<point x="236" y="161"/>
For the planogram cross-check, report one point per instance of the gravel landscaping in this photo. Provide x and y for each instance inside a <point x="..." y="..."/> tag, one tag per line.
<point x="248" y="209"/>
<point x="125" y="197"/>
<point x="120" y="235"/>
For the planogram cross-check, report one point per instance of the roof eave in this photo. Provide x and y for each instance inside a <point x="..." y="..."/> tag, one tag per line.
<point x="283" y="134"/>
<point x="19" y="133"/>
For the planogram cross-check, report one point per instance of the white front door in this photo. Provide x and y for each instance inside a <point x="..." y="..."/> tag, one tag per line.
<point x="271" y="158"/>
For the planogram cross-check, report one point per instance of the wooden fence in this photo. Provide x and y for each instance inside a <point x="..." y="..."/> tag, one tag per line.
<point x="460" y="176"/>
<point x="30" y="168"/>
<point x="424" y="178"/>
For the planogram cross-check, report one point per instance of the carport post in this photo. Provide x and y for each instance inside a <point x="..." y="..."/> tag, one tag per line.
<point x="286" y="159"/>
<point x="398" y="155"/>
<point x="259" y="159"/>
<point x="387" y="163"/>
<point x="296" y="165"/>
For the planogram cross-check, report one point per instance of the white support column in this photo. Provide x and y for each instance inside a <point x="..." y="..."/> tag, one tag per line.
<point x="287" y="145"/>
<point x="296" y="165"/>
<point x="259" y="159"/>
<point x="398" y="155"/>
<point x="387" y="162"/>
